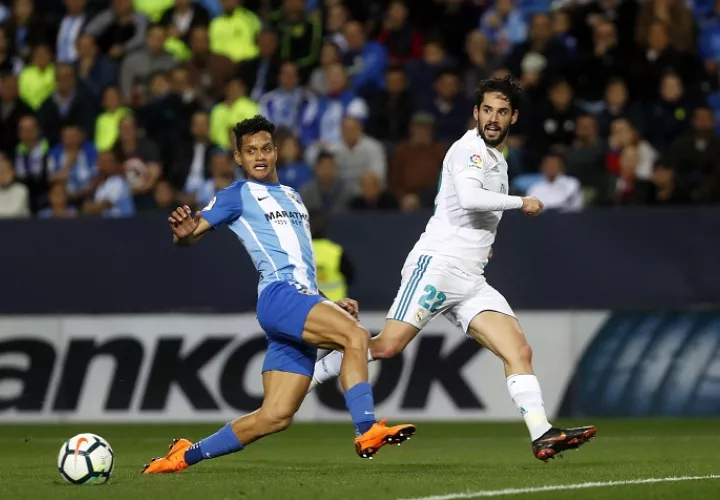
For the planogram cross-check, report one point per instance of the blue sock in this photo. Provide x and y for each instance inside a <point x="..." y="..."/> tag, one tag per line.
<point x="223" y="442"/>
<point x="359" y="401"/>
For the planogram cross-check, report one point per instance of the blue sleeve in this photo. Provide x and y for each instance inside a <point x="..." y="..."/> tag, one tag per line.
<point x="704" y="44"/>
<point x="375" y="61"/>
<point x="225" y="207"/>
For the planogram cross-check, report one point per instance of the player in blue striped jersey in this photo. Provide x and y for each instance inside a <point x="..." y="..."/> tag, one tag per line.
<point x="272" y="223"/>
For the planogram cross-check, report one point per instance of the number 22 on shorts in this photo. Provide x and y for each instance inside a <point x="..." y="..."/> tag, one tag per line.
<point x="432" y="299"/>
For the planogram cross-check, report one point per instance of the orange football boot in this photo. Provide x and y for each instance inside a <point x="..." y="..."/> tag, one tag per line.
<point x="379" y="435"/>
<point x="173" y="462"/>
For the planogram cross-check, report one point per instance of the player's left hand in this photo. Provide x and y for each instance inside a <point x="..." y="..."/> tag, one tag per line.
<point x="351" y="306"/>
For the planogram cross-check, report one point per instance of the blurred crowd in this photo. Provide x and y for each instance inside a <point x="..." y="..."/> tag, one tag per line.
<point x="120" y="107"/>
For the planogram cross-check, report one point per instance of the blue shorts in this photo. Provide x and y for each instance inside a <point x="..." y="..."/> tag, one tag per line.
<point x="282" y="309"/>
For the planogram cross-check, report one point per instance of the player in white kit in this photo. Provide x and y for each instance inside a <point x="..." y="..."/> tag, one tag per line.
<point x="444" y="272"/>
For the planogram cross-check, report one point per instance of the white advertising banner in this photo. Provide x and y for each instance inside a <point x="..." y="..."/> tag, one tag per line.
<point x="172" y="367"/>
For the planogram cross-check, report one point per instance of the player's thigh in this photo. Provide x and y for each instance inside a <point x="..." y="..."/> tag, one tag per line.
<point x="283" y="393"/>
<point x="428" y="288"/>
<point x="488" y="318"/>
<point x="328" y="326"/>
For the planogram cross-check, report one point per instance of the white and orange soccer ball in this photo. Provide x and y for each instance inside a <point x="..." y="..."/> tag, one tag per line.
<point x="86" y="459"/>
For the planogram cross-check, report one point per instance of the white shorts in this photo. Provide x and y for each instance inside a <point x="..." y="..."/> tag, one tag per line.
<point x="430" y="287"/>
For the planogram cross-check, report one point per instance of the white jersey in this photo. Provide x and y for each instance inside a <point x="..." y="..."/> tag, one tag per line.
<point x="468" y="207"/>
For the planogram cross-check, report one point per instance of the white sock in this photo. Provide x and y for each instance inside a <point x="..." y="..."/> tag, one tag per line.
<point x="527" y="396"/>
<point x="328" y="368"/>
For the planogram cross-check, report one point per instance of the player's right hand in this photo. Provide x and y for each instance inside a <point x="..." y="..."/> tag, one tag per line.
<point x="531" y="205"/>
<point x="182" y="222"/>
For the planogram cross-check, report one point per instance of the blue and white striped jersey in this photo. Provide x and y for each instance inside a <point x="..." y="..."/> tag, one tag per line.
<point x="272" y="223"/>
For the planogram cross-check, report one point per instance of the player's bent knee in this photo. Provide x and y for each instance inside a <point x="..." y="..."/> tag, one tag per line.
<point x="356" y="337"/>
<point x="385" y="349"/>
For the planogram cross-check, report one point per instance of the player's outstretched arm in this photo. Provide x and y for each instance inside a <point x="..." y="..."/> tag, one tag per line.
<point x="472" y="194"/>
<point x="187" y="229"/>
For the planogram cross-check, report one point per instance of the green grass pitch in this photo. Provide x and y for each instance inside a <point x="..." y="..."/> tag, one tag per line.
<point x="318" y="461"/>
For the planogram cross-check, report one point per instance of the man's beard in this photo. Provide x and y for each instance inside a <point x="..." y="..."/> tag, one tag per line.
<point x="493" y="142"/>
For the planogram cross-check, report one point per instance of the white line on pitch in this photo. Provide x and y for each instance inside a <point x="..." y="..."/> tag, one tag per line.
<point x="562" y="487"/>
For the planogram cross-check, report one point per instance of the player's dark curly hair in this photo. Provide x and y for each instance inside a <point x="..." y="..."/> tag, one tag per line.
<point x="251" y="126"/>
<point x="505" y="86"/>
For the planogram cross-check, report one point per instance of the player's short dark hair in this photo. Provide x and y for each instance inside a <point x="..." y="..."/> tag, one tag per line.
<point x="252" y="126"/>
<point x="505" y="86"/>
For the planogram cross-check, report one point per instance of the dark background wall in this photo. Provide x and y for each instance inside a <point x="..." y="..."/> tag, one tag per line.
<point x="619" y="259"/>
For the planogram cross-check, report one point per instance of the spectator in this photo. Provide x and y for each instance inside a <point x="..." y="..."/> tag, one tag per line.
<point x="627" y="188"/>
<point x="541" y="43"/>
<point x="165" y="118"/>
<point x="327" y="193"/>
<point x="709" y="41"/>
<point x="617" y="105"/>
<point x="300" y="35"/>
<point x="70" y="103"/>
<point x="696" y="154"/>
<point x="454" y="20"/>
<point x="222" y="174"/>
<point x="554" y="123"/>
<point x="234" y="33"/>
<point x="108" y="123"/>
<point x="29" y="27"/>
<point x="655" y="58"/>
<point x="119" y="30"/>
<point x="585" y="158"/>
<point x="95" y="72"/>
<point x="165" y="199"/>
<point x="329" y="54"/>
<point x="260" y="73"/>
<point x="140" y="160"/>
<point x="207" y="71"/>
<point x="402" y="41"/>
<point x="11" y="109"/>
<point x="137" y="67"/>
<point x="423" y="74"/>
<point x="14" y="197"/>
<point x="10" y="63"/>
<point x="59" y="207"/>
<point x="557" y="191"/>
<point x="286" y="105"/>
<point x="191" y="165"/>
<point x="112" y="198"/>
<point x="562" y="29"/>
<point x="589" y="14"/>
<point x="670" y="115"/>
<point x="665" y="191"/>
<point x="372" y="195"/>
<point x="602" y="63"/>
<point x="624" y="135"/>
<point x="672" y="13"/>
<point x="338" y="16"/>
<point x="322" y="126"/>
<point x="31" y="161"/>
<point x="416" y="163"/>
<point x="37" y="80"/>
<point x="292" y="170"/>
<point x="504" y="26"/>
<point x="188" y="94"/>
<point x="390" y="109"/>
<point x="449" y="107"/>
<point x="359" y="153"/>
<point x="236" y="107"/>
<point x="71" y="27"/>
<point x="73" y="162"/>
<point x="180" y="19"/>
<point x="366" y="60"/>
<point x="480" y="63"/>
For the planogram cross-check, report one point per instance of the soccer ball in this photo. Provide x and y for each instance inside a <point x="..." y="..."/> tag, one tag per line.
<point x="86" y="459"/>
